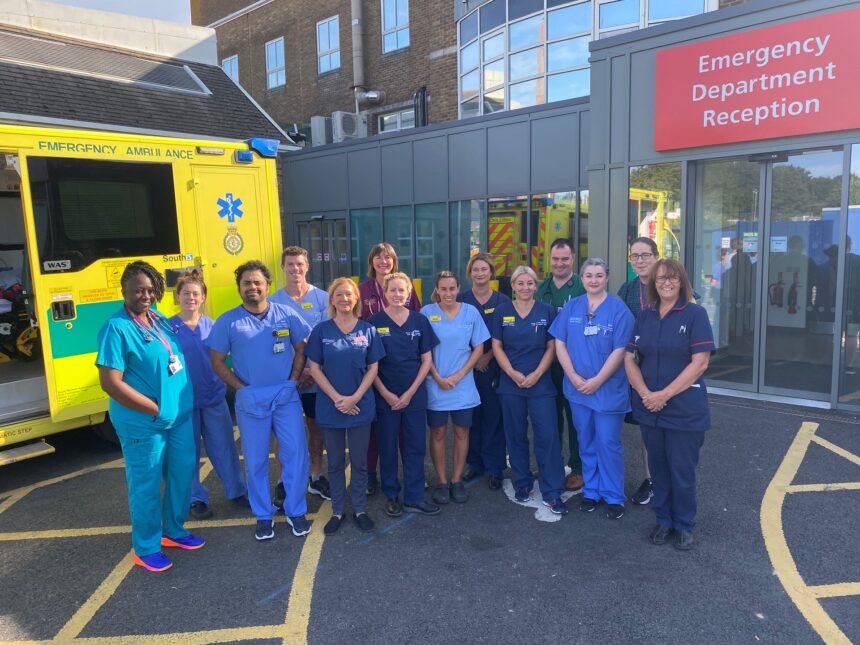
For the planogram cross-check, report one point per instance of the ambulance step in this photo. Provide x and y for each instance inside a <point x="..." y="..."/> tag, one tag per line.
<point x="27" y="451"/>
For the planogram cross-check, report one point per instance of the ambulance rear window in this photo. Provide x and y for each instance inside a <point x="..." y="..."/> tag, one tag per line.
<point x="87" y="210"/>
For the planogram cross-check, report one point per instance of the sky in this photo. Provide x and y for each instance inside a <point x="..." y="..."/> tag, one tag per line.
<point x="175" y="10"/>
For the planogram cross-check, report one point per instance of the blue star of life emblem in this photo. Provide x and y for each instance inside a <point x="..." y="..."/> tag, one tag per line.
<point x="230" y="207"/>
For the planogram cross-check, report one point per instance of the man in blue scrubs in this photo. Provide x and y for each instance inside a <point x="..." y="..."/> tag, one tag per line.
<point x="312" y="305"/>
<point x="266" y="344"/>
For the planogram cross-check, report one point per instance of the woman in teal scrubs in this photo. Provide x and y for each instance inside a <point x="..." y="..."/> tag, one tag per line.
<point x="142" y="370"/>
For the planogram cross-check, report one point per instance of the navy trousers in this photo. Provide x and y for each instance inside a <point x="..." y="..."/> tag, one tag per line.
<point x="389" y="423"/>
<point x="487" y="436"/>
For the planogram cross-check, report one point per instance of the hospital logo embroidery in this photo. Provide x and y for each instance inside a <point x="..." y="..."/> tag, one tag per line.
<point x="682" y="329"/>
<point x="359" y="340"/>
<point x="415" y="333"/>
<point x="508" y="321"/>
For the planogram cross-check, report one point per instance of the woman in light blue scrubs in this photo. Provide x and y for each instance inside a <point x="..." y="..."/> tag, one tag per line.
<point x="591" y="334"/>
<point x="213" y="425"/>
<point x="142" y="370"/>
<point x="451" y="388"/>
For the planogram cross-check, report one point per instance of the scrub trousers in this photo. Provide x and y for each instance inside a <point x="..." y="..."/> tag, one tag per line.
<point x="516" y="411"/>
<point x="602" y="453"/>
<point x="413" y="423"/>
<point x="487" y="435"/>
<point x="213" y="429"/>
<point x="259" y="412"/>
<point x="673" y="456"/>
<point x="563" y="411"/>
<point x="335" y="440"/>
<point x="153" y="455"/>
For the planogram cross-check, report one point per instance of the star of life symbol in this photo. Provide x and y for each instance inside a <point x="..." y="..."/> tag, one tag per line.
<point x="230" y="207"/>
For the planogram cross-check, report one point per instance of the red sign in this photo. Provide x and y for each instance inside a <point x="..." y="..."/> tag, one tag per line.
<point x="796" y="78"/>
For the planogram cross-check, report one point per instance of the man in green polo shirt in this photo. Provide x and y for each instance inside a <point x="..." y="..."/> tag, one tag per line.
<point x="563" y="285"/>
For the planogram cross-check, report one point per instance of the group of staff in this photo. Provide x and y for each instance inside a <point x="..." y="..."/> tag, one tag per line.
<point x="370" y="369"/>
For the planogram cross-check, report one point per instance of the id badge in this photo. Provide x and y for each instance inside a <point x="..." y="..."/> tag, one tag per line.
<point x="590" y="330"/>
<point x="278" y="347"/>
<point x="174" y="365"/>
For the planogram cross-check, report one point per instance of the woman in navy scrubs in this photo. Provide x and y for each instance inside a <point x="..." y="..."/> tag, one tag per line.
<point x="213" y="425"/>
<point x="401" y="396"/>
<point x="486" y="435"/>
<point x="343" y="355"/>
<point x="381" y="260"/>
<point x="451" y="390"/>
<point x="525" y="350"/>
<point x="634" y="293"/>
<point x="667" y="358"/>
<point x="591" y="334"/>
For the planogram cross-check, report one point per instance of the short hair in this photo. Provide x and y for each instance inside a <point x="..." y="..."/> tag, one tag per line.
<point x="379" y="249"/>
<point x="482" y="256"/>
<point x="252" y="265"/>
<point x="141" y="267"/>
<point x="396" y="275"/>
<point x="334" y="286"/>
<point x="516" y="273"/>
<point x="594" y="262"/>
<point x="294" y="250"/>
<point x="671" y="268"/>
<point x="442" y="275"/>
<point x="560" y="242"/>
<point x="191" y="277"/>
<point x="651" y="244"/>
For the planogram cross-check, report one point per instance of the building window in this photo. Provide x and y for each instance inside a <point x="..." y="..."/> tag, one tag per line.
<point x="328" y="45"/>
<point x="397" y="121"/>
<point x="276" y="70"/>
<point x="231" y="66"/>
<point x="395" y="25"/>
<point x="517" y="53"/>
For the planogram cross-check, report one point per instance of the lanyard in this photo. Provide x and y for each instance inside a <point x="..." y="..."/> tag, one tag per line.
<point x="641" y="304"/>
<point x="153" y="321"/>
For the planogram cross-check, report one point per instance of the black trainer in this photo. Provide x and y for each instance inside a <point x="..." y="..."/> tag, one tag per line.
<point x="372" y="484"/>
<point x="200" y="511"/>
<point x="643" y="494"/>
<point x="495" y="483"/>
<point x="588" y="505"/>
<point x="393" y="508"/>
<point x="615" y="511"/>
<point x="424" y="507"/>
<point x="333" y="524"/>
<point x="265" y="529"/>
<point x="279" y="496"/>
<point x="363" y="522"/>
<point x="320" y="487"/>
<point x="684" y="541"/>
<point x="659" y="534"/>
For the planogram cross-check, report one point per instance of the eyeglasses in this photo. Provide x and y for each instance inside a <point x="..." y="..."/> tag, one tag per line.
<point x="671" y="279"/>
<point x="636" y="257"/>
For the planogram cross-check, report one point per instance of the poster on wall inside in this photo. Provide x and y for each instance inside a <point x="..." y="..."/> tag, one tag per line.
<point x="787" y="290"/>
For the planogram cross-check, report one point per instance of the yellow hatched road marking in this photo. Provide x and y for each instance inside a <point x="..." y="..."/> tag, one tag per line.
<point x="822" y="488"/>
<point x="839" y="450"/>
<point x="803" y="596"/>
<point x="836" y="591"/>
<point x="20" y="492"/>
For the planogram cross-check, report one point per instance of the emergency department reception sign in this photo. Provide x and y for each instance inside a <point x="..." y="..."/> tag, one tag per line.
<point x="800" y="77"/>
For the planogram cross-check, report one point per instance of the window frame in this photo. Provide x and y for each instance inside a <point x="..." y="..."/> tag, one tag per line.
<point x="396" y="29"/>
<point x="399" y="114"/>
<point x="234" y="64"/>
<point x="275" y="69"/>
<point x="328" y="52"/>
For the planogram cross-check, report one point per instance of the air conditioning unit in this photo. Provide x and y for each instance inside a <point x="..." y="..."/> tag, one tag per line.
<point x="348" y="125"/>
<point x="320" y="130"/>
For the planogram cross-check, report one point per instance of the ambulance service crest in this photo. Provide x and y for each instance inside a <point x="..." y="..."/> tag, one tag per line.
<point x="233" y="242"/>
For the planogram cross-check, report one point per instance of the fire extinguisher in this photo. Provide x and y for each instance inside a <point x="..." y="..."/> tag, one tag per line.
<point x="792" y="295"/>
<point x="776" y="291"/>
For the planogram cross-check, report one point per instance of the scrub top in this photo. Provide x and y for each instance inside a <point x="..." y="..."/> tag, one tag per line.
<point x="143" y="359"/>
<point x="559" y="296"/>
<point x="313" y="308"/>
<point x="261" y="350"/>
<point x="664" y="348"/>
<point x="634" y="294"/>
<point x="488" y="378"/>
<point x="209" y="389"/>
<point x="403" y="348"/>
<point x="344" y="359"/>
<point x="373" y="300"/>
<point x="612" y="323"/>
<point x="457" y="339"/>
<point x="524" y="341"/>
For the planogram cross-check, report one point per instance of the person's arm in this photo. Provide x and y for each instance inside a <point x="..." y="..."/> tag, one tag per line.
<point x="298" y="361"/>
<point x="634" y="375"/>
<point x="389" y="396"/>
<point x="697" y="366"/>
<point x="505" y="364"/>
<point x="111" y="382"/>
<point x="566" y="363"/>
<point x="405" y="399"/>
<point x="591" y="385"/>
<point x="219" y="366"/>
<point x="350" y="403"/>
<point x="543" y="366"/>
<point x="322" y="381"/>
<point x="460" y="374"/>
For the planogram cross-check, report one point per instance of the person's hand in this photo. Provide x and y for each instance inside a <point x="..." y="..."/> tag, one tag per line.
<point x="529" y="381"/>
<point x="445" y="383"/>
<point x="484" y="362"/>
<point x="347" y="405"/>
<point x="588" y="386"/>
<point x="517" y="377"/>
<point x="655" y="401"/>
<point x="402" y="402"/>
<point x="390" y="398"/>
<point x="305" y="379"/>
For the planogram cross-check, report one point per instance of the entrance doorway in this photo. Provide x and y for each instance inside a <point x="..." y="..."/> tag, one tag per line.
<point x="766" y="265"/>
<point x="328" y="249"/>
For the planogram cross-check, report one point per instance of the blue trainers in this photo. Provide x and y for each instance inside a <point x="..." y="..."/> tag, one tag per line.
<point x="300" y="525"/>
<point x="265" y="530"/>
<point x="153" y="562"/>
<point x="189" y="542"/>
<point x="523" y="494"/>
<point x="556" y="506"/>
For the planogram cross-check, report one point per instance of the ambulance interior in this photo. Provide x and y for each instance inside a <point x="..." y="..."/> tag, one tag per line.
<point x="23" y="392"/>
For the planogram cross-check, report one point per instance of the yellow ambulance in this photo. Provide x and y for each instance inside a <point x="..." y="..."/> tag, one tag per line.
<point x="75" y="207"/>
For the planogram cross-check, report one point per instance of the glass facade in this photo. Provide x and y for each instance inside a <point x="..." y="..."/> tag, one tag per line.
<point x="849" y="368"/>
<point x="432" y="248"/>
<point x="518" y="53"/>
<point x="654" y="207"/>
<point x="365" y="227"/>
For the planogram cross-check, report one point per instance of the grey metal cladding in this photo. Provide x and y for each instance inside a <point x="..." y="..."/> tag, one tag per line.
<point x="508" y="159"/>
<point x="555" y="152"/>
<point x="584" y="146"/>
<point x="318" y="184"/>
<point x="430" y="163"/>
<point x="364" y="177"/>
<point x="467" y="164"/>
<point x="79" y="59"/>
<point x="397" y="173"/>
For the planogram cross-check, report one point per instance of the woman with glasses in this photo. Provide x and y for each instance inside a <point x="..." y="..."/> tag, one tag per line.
<point x="591" y="334"/>
<point x="666" y="360"/>
<point x="634" y="293"/>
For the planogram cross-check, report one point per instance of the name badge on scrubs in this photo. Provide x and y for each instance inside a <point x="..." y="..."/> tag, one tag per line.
<point x="590" y="330"/>
<point x="490" y="310"/>
<point x="278" y="347"/>
<point x="174" y="365"/>
<point x="307" y="305"/>
<point x="435" y="318"/>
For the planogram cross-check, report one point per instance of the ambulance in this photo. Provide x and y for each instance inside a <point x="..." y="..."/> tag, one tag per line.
<point x="76" y="206"/>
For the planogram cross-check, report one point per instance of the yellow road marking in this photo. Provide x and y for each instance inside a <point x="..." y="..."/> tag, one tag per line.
<point x="824" y="443"/>
<point x="777" y="547"/>
<point x="11" y="500"/>
<point x="822" y="488"/>
<point x="835" y="591"/>
<point x="100" y="596"/>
